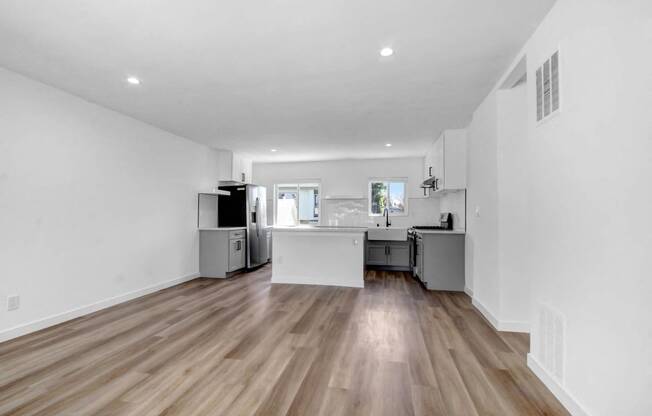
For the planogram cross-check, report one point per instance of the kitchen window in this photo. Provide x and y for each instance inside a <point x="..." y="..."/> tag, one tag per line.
<point x="297" y="204"/>
<point x="387" y="193"/>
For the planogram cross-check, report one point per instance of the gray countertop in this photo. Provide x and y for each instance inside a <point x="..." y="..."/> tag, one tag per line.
<point x="223" y="229"/>
<point x="320" y="228"/>
<point x="440" y="231"/>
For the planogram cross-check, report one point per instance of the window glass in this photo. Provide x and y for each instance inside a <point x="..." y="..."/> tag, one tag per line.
<point x="297" y="204"/>
<point x="387" y="194"/>
<point x="396" y="199"/>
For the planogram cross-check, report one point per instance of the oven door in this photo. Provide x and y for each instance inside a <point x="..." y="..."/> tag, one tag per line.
<point x="413" y="251"/>
<point x="418" y="257"/>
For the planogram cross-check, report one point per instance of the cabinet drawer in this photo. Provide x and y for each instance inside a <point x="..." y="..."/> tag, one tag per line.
<point x="236" y="234"/>
<point x="236" y="254"/>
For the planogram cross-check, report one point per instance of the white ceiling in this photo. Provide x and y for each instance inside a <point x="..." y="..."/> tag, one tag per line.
<point x="301" y="76"/>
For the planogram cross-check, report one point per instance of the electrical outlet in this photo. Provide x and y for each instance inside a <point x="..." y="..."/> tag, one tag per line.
<point x="13" y="302"/>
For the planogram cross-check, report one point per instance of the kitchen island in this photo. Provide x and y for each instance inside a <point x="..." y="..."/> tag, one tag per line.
<point x="319" y="255"/>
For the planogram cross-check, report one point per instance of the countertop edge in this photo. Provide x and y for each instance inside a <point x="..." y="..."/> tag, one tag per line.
<point x="360" y="230"/>
<point x="453" y="232"/>
<point x="223" y="229"/>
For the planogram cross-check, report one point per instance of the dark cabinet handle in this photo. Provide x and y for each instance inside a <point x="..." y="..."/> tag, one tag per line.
<point x="429" y="170"/>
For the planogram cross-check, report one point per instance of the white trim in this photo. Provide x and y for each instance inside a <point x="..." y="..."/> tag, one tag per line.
<point x="468" y="291"/>
<point x="298" y="184"/>
<point x="514" y="326"/>
<point x="485" y="312"/>
<point x="388" y="179"/>
<point x="567" y="400"/>
<point x="52" y="320"/>
<point x="313" y="281"/>
<point x="508" y="326"/>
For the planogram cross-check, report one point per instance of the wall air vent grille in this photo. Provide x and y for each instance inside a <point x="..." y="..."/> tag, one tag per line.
<point x="551" y="345"/>
<point x="547" y="85"/>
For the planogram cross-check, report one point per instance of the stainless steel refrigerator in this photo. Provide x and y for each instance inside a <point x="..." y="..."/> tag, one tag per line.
<point x="246" y="206"/>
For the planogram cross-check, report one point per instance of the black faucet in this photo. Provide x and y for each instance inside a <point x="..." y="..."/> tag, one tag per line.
<point x="386" y="215"/>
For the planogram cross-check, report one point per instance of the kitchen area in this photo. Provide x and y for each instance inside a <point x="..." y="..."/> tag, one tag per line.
<point x="330" y="221"/>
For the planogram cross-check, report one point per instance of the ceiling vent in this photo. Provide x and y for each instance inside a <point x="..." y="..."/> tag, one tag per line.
<point x="547" y="85"/>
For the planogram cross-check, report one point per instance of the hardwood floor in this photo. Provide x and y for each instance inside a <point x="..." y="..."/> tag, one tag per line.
<point x="244" y="347"/>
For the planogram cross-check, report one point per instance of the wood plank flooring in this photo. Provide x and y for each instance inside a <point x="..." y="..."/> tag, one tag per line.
<point x="242" y="346"/>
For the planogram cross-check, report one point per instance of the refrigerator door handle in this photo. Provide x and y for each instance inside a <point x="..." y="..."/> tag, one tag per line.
<point x="257" y="215"/>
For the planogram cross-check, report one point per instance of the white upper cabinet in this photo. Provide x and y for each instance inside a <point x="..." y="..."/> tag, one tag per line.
<point x="234" y="167"/>
<point x="445" y="161"/>
<point x="428" y="165"/>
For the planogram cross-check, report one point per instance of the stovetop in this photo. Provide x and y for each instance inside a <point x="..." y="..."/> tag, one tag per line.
<point x="429" y="227"/>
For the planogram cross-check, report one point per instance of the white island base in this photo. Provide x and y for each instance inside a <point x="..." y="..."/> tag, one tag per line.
<point x="331" y="256"/>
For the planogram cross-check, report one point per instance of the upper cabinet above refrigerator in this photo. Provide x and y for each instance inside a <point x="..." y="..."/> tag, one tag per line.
<point x="445" y="162"/>
<point x="234" y="167"/>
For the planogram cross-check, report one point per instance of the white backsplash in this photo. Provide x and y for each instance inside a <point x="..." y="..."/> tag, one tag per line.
<point x="455" y="203"/>
<point x="354" y="212"/>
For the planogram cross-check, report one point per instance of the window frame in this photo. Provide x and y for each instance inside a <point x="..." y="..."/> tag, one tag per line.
<point x="404" y="181"/>
<point x="298" y="184"/>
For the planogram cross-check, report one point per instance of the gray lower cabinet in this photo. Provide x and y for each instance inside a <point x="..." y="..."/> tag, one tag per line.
<point x="221" y="251"/>
<point x="269" y="243"/>
<point x="237" y="257"/>
<point x="398" y="254"/>
<point x="390" y="254"/>
<point x="440" y="261"/>
<point x="376" y="253"/>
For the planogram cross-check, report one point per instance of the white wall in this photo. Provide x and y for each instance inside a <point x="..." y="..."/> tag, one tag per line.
<point x="497" y="172"/>
<point x="93" y="204"/>
<point x="481" y="245"/>
<point x="513" y="210"/>
<point x="351" y="177"/>
<point x="588" y="231"/>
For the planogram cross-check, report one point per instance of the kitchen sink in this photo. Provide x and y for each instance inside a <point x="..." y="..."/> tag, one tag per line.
<point x="387" y="234"/>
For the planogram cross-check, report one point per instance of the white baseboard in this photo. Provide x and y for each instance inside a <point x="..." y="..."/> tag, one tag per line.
<point x="514" y="326"/>
<point x="485" y="312"/>
<point x="566" y="399"/>
<point x="39" y="324"/>
<point x="316" y="281"/>
<point x="468" y="291"/>
<point x="509" y="326"/>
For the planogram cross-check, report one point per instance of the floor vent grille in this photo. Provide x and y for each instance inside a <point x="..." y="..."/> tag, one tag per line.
<point x="551" y="345"/>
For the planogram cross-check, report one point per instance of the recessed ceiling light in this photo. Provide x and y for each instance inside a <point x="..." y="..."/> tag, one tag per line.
<point x="273" y="150"/>
<point x="386" y="52"/>
<point x="388" y="145"/>
<point x="133" y="81"/>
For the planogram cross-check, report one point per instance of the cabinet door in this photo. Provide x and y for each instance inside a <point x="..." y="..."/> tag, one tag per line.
<point x="398" y="254"/>
<point x="269" y="245"/>
<point x="376" y="254"/>
<point x="224" y="165"/>
<point x="438" y="161"/>
<point x="236" y="168"/>
<point x="246" y="167"/>
<point x="236" y="254"/>
<point x="419" y="258"/>
<point x="455" y="159"/>
<point x="427" y="165"/>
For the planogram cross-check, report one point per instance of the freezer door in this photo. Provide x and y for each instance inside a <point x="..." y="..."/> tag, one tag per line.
<point x="256" y="222"/>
